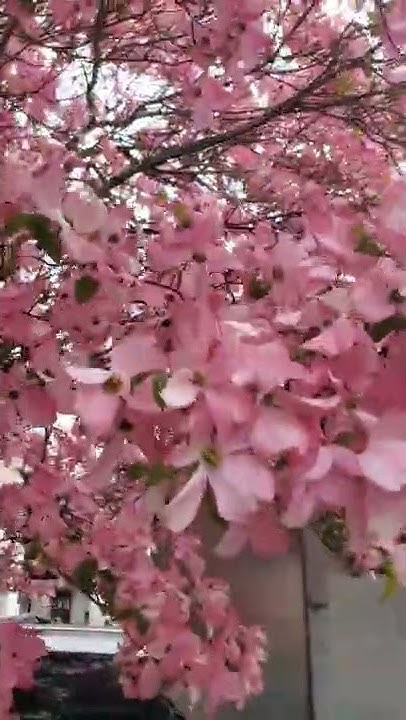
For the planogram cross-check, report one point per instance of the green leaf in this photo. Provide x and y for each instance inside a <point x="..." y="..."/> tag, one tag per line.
<point x="153" y="474"/>
<point x="183" y="215"/>
<point x="28" y="4"/>
<point x="368" y="246"/>
<point x="138" y="379"/>
<point x="395" y="296"/>
<point x="52" y="247"/>
<point x="137" y="470"/>
<point x="302" y="355"/>
<point x="142" y="622"/>
<point x="378" y="331"/>
<point x="211" y="456"/>
<point x="158" y="384"/>
<point x="199" y="257"/>
<point x="268" y="400"/>
<point x="159" y="472"/>
<point x="37" y="225"/>
<point x="134" y="614"/>
<point x="197" y="623"/>
<point x="113" y="384"/>
<point x="85" y="287"/>
<point x="257" y="288"/>
<point x="84" y="575"/>
<point x="107" y="585"/>
<point x="106" y="575"/>
<point x="40" y="228"/>
<point x="8" y="258"/>
<point x="345" y="439"/>
<point x="33" y="549"/>
<point x="161" y="557"/>
<point x="391" y="582"/>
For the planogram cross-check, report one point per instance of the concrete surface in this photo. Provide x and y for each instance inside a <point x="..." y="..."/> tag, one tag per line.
<point x="359" y="651"/>
<point x="357" y="643"/>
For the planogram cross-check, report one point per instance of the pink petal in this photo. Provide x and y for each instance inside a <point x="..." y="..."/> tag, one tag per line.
<point x="232" y="542"/>
<point x="37" y="407"/>
<point x="321" y="466"/>
<point x="322" y="403"/>
<point x="337" y="338"/>
<point x="249" y="476"/>
<point x="137" y="354"/>
<point x="96" y="409"/>
<point x="345" y="459"/>
<point x="371" y="300"/>
<point x="231" y="504"/>
<point x="149" y="681"/>
<point x="276" y="431"/>
<point x="245" y="157"/>
<point x="183" y="455"/>
<point x="290" y="318"/>
<point x="182" y="510"/>
<point x="229" y="406"/>
<point x="87" y="214"/>
<point x="180" y="391"/>
<point x="266" y="535"/>
<point x="384" y="462"/>
<point x="88" y="375"/>
<point x="399" y="561"/>
<point x="268" y="365"/>
<point x="225" y="687"/>
<point x="300" y="508"/>
<point x="386" y="514"/>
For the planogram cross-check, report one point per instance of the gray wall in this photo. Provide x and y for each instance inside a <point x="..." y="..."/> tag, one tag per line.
<point x="359" y="651"/>
<point x="269" y="593"/>
<point x="358" y="642"/>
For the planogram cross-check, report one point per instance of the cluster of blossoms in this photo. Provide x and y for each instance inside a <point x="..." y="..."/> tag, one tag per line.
<point x="202" y="310"/>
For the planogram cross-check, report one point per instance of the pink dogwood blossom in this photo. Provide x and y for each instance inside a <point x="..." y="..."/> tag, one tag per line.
<point x="202" y="311"/>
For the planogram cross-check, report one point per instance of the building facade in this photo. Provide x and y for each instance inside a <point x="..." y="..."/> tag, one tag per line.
<point x="67" y="607"/>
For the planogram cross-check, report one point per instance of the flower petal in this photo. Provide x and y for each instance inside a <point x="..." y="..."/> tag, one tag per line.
<point x="137" y="354"/>
<point x="182" y="510"/>
<point x="88" y="375"/>
<point x="249" y="476"/>
<point x="232" y="505"/>
<point x="149" y="681"/>
<point x="276" y="431"/>
<point x="384" y="462"/>
<point x="321" y="465"/>
<point x="180" y="392"/>
<point x="96" y="409"/>
<point x="232" y="542"/>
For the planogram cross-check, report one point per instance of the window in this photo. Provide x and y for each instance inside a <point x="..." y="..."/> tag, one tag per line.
<point x="61" y="607"/>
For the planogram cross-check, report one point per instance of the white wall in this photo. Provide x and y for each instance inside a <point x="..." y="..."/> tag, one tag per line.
<point x="80" y="605"/>
<point x="9" y="604"/>
<point x="359" y="651"/>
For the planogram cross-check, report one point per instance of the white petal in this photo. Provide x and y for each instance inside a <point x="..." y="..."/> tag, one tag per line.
<point x="87" y="375"/>
<point x="248" y="476"/>
<point x="321" y="466"/>
<point x="275" y="431"/>
<point x="182" y="510"/>
<point x="231" y="504"/>
<point x="179" y="391"/>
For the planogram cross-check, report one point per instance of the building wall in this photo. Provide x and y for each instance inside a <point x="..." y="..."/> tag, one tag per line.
<point x="82" y="612"/>
<point x="9" y="604"/>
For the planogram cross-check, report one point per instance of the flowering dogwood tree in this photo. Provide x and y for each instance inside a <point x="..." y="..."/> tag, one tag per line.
<point x="202" y="299"/>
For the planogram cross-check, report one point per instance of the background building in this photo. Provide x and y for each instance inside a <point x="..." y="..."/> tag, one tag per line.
<point x="68" y="607"/>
